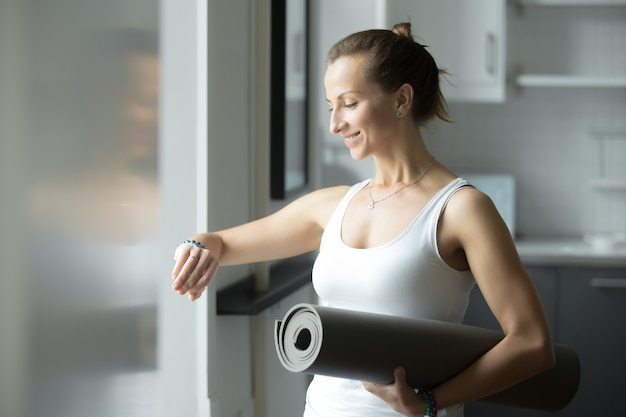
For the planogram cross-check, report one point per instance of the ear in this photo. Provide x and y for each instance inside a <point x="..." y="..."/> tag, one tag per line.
<point x="404" y="98"/>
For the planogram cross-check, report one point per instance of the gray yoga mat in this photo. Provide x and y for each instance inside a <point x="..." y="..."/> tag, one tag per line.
<point x="367" y="347"/>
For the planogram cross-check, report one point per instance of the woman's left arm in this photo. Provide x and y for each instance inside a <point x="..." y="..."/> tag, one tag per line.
<point x="472" y="224"/>
<point x="472" y="233"/>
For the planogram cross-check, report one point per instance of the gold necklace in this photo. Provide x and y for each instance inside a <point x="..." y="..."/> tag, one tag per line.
<point x="373" y="202"/>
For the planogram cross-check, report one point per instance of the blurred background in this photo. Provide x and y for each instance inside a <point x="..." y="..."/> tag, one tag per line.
<point x="80" y="207"/>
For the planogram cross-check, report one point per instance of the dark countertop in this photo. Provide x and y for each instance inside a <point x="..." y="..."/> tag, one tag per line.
<point x="285" y="277"/>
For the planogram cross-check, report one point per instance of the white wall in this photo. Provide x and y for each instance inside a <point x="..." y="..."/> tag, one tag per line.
<point x="184" y="328"/>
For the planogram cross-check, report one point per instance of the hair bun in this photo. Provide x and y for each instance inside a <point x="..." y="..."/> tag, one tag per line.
<point x="403" y="29"/>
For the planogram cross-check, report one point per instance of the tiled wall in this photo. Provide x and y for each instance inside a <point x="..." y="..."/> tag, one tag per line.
<point x="542" y="135"/>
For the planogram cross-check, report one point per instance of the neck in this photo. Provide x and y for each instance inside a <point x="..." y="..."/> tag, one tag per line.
<point x="402" y="163"/>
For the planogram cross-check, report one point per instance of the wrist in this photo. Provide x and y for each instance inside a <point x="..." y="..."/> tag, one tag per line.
<point x="210" y="242"/>
<point x="430" y="404"/>
<point x="193" y="242"/>
<point x="418" y="407"/>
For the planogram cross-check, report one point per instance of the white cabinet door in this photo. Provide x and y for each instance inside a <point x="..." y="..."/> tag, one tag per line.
<point x="467" y="38"/>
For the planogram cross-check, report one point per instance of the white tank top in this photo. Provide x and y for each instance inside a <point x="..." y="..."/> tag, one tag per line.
<point x="405" y="277"/>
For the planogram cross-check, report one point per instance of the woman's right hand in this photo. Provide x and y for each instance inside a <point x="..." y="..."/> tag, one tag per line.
<point x="194" y="269"/>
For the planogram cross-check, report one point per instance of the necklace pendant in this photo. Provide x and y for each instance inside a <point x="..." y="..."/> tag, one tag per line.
<point x="371" y="205"/>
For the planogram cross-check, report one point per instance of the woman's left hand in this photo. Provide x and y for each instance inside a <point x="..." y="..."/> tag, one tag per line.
<point x="399" y="395"/>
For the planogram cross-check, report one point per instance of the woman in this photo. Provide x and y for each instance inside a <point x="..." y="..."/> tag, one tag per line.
<point x="411" y="241"/>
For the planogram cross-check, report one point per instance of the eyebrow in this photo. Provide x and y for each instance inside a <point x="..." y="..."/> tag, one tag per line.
<point x="344" y="93"/>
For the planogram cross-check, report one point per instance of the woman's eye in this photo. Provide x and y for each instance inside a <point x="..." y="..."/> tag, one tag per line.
<point x="347" y="106"/>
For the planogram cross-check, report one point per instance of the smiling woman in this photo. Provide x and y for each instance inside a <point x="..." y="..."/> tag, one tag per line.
<point x="412" y="241"/>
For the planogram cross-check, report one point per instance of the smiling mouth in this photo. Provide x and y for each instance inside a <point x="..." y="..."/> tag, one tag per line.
<point x="349" y="140"/>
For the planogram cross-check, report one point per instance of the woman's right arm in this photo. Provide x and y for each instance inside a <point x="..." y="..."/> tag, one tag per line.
<point x="295" y="229"/>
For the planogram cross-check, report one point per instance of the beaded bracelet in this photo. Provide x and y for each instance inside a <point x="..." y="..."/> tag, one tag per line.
<point x="193" y="243"/>
<point x="431" y="404"/>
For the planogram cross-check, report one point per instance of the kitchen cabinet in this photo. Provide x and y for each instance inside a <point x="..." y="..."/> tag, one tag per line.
<point x="586" y="310"/>
<point x="467" y="39"/>
<point x="590" y="35"/>
<point x="592" y="320"/>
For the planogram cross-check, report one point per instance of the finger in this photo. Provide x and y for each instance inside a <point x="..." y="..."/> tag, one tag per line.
<point x="188" y="264"/>
<point x="207" y="276"/>
<point x="370" y="387"/>
<point x="402" y="386"/>
<point x="194" y="295"/>
<point x="199" y="262"/>
<point x="399" y="374"/>
<point x="180" y="256"/>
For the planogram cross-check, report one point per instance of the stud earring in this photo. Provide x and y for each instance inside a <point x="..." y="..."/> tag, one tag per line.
<point x="399" y="114"/>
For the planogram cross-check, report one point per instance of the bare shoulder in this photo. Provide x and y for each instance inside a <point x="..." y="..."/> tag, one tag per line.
<point x="469" y="214"/>
<point x="472" y="234"/>
<point x="472" y="200"/>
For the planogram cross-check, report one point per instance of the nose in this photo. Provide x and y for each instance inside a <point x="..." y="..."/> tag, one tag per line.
<point x="336" y="122"/>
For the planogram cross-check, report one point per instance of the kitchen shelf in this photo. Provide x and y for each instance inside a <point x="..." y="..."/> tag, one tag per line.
<point x="608" y="183"/>
<point x="608" y="134"/>
<point x="575" y="81"/>
<point x="572" y="2"/>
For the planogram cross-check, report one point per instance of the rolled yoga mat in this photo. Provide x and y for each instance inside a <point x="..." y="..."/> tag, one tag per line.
<point x="367" y="347"/>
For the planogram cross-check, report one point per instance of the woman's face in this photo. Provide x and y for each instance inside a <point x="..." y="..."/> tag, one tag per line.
<point x="361" y="112"/>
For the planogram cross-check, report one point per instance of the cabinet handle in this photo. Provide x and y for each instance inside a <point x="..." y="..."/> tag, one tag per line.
<point x="607" y="283"/>
<point x="491" y="54"/>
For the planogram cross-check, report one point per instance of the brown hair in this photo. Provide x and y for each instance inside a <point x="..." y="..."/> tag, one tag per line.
<point x="393" y="58"/>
